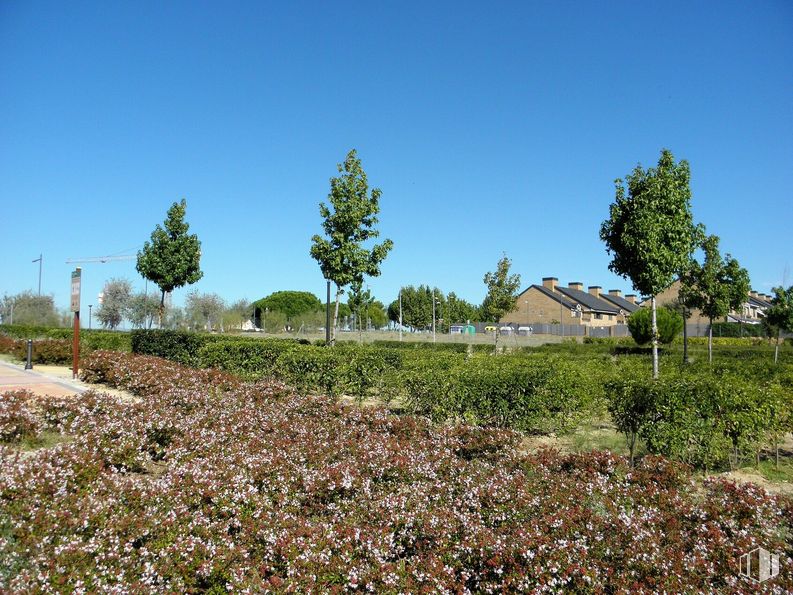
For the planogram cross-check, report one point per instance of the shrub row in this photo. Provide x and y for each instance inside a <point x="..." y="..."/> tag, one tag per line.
<point x="703" y="420"/>
<point x="89" y="339"/>
<point x="210" y="485"/>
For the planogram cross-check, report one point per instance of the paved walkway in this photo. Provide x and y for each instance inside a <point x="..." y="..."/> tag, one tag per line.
<point x="15" y="377"/>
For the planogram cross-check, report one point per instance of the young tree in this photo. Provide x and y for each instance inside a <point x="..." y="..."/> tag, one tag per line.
<point x="650" y="231"/>
<point x="349" y="222"/>
<point x="502" y="291"/>
<point x="116" y="295"/>
<point x="717" y="286"/>
<point x="172" y="258"/>
<point x="779" y="317"/>
<point x="502" y="294"/>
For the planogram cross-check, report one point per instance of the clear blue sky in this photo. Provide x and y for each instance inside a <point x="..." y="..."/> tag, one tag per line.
<point x="490" y="129"/>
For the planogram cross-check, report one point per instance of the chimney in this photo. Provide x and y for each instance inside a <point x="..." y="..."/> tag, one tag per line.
<point x="595" y="290"/>
<point x="576" y="285"/>
<point x="550" y="283"/>
<point x="753" y="293"/>
<point x="631" y="297"/>
<point x="615" y="292"/>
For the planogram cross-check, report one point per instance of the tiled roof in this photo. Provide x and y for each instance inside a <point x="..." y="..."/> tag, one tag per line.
<point x="589" y="300"/>
<point x="756" y="301"/>
<point x="554" y="296"/>
<point x="620" y="302"/>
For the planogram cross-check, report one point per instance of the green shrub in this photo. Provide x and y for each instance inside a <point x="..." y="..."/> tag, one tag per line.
<point x="455" y="347"/>
<point x="669" y="323"/>
<point x="250" y="359"/>
<point x="178" y="346"/>
<point x="704" y="420"/>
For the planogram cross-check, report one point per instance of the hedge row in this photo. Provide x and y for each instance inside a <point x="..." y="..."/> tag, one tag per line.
<point x="59" y="350"/>
<point x="89" y="339"/>
<point x="533" y="394"/>
<point x="703" y="420"/>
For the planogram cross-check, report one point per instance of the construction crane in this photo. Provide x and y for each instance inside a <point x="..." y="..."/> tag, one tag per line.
<point x="101" y="259"/>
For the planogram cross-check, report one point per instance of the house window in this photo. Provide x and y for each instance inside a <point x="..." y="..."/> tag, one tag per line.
<point x="598" y="316"/>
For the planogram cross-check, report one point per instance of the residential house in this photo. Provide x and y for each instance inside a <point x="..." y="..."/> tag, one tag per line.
<point x="551" y="303"/>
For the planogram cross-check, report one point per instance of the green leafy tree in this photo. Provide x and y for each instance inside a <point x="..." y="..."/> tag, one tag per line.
<point x="716" y="286"/>
<point x="205" y="310"/>
<point x="349" y="223"/>
<point x="142" y="310"/>
<point x="502" y="291"/>
<point x="417" y="306"/>
<point x="459" y="310"/>
<point x="116" y="295"/>
<point x="30" y="309"/>
<point x="237" y="313"/>
<point x="668" y="321"/>
<point x="290" y="303"/>
<point x="779" y="317"/>
<point x="650" y="232"/>
<point x="172" y="258"/>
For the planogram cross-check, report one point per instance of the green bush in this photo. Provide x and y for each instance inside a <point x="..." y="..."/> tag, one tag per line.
<point x="250" y="359"/>
<point x="90" y="340"/>
<point x="669" y="323"/>
<point x="536" y="395"/>
<point x="178" y="346"/>
<point x="704" y="420"/>
<point x="455" y="347"/>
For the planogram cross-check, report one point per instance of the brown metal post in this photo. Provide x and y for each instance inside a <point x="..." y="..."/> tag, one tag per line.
<point x="76" y="345"/>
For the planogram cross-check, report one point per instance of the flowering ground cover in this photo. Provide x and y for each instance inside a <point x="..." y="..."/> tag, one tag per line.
<point x="210" y="484"/>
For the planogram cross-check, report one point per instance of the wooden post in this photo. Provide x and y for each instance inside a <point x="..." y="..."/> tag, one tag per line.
<point x="76" y="345"/>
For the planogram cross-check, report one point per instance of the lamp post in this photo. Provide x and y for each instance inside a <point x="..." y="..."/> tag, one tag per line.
<point x="90" y="306"/>
<point x="39" y="260"/>
<point x="433" y="316"/>
<point x="400" y="314"/>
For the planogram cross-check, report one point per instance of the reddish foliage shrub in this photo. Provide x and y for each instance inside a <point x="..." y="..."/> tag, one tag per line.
<point x="18" y="421"/>
<point x="209" y="483"/>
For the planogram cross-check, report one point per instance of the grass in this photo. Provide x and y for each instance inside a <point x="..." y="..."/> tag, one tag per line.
<point x="46" y="439"/>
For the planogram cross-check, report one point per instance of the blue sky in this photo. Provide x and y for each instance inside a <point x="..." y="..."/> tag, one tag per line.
<point x="490" y="129"/>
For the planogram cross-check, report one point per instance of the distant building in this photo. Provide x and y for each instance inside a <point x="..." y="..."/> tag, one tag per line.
<point x="752" y="310"/>
<point x="571" y="305"/>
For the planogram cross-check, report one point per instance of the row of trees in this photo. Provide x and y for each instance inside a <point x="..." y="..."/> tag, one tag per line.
<point x="417" y="302"/>
<point x="31" y="309"/>
<point x="652" y="238"/>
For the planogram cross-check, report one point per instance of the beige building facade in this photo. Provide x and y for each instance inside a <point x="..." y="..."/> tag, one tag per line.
<point x="551" y="303"/>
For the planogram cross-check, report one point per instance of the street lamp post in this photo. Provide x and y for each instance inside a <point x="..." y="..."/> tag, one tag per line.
<point x="433" y="316"/>
<point x="90" y="306"/>
<point x="39" y="260"/>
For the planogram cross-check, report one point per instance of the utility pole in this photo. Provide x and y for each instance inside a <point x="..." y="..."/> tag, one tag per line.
<point x="433" y="316"/>
<point x="39" y="260"/>
<point x="400" y="313"/>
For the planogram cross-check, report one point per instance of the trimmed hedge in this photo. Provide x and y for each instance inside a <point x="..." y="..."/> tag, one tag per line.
<point x="703" y="420"/>
<point x="90" y="340"/>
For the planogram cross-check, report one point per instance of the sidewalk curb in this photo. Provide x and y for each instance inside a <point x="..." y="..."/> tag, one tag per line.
<point x="63" y="383"/>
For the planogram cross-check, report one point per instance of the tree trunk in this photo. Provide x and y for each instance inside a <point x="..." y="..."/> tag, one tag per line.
<point x="710" y="340"/>
<point x="161" y="311"/>
<point x="685" y="338"/>
<point x="335" y="317"/>
<point x="655" y="340"/>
